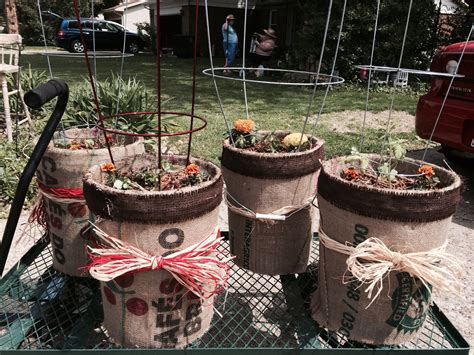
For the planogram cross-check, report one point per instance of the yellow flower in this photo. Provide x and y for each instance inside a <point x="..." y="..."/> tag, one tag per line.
<point x="293" y="140"/>
<point x="244" y="126"/>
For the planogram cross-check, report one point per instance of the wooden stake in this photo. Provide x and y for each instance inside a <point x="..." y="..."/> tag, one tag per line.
<point x="11" y="16"/>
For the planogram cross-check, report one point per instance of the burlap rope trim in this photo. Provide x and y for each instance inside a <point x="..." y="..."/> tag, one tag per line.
<point x="371" y="261"/>
<point x="280" y="214"/>
<point x="201" y="268"/>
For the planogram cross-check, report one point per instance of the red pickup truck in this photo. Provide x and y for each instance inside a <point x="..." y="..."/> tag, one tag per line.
<point x="455" y="130"/>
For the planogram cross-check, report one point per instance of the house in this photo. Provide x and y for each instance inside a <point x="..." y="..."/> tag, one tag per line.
<point x="128" y="13"/>
<point x="177" y="21"/>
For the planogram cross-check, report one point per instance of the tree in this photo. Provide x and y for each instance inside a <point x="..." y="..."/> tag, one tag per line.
<point x="11" y="16"/>
<point x="357" y="35"/>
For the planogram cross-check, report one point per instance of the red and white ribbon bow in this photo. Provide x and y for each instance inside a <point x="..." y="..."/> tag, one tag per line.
<point x="201" y="268"/>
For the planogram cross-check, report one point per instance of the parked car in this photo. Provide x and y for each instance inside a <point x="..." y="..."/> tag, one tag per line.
<point x="106" y="34"/>
<point x="455" y="129"/>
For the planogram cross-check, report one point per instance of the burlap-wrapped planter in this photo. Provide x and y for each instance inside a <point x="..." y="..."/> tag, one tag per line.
<point x="271" y="183"/>
<point x="149" y="308"/>
<point x="406" y="222"/>
<point x="60" y="174"/>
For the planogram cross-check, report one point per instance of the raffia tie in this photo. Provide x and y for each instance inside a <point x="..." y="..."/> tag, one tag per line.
<point x="280" y="214"/>
<point x="371" y="261"/>
<point x="201" y="268"/>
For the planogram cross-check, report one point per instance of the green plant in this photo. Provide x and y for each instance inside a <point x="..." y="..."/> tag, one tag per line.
<point x="11" y="168"/>
<point x="116" y="95"/>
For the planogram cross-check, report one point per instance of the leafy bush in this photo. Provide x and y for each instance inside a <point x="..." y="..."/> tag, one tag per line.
<point x="29" y="79"/>
<point x="356" y="41"/>
<point x="130" y="96"/>
<point x="11" y="168"/>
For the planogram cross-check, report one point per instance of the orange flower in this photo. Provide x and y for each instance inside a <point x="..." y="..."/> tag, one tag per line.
<point x="350" y="173"/>
<point x="75" y="146"/>
<point x="192" y="169"/>
<point x="244" y="126"/>
<point x="109" y="137"/>
<point x="427" y="171"/>
<point x="107" y="167"/>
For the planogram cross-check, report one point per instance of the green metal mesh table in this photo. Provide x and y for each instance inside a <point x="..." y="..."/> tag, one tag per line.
<point x="44" y="310"/>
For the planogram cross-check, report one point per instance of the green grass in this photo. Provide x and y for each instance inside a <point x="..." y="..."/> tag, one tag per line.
<point x="272" y="107"/>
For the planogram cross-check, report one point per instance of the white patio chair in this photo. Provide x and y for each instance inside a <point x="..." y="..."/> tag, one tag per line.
<point x="401" y="79"/>
<point x="10" y="47"/>
<point x="380" y="77"/>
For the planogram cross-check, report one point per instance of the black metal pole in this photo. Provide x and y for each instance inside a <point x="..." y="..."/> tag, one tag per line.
<point x="34" y="99"/>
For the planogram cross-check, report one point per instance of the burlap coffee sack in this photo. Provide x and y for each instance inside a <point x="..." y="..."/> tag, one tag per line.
<point x="341" y="303"/>
<point x="150" y="309"/>
<point x="63" y="168"/>
<point x="274" y="249"/>
<point x="264" y="183"/>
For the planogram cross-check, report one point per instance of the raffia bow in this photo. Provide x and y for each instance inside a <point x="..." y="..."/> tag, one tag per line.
<point x="200" y="268"/>
<point x="371" y="261"/>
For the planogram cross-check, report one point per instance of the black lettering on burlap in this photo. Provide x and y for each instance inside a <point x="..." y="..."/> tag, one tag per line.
<point x="247" y="240"/>
<point x="56" y="209"/>
<point x="192" y="326"/>
<point x="166" y="320"/>
<point x="193" y="310"/>
<point x="168" y="304"/>
<point x="48" y="165"/>
<point x="163" y="239"/>
<point x="168" y="339"/>
<point x="58" y="244"/>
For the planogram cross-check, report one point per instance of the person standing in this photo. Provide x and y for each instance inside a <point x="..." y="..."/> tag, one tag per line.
<point x="265" y="45"/>
<point x="230" y="40"/>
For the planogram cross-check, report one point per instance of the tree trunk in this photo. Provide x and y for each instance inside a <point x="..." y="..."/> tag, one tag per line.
<point x="11" y="16"/>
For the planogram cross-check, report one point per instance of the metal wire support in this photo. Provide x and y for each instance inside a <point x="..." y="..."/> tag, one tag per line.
<point x="244" y="50"/>
<point x="44" y="37"/>
<point x="158" y="84"/>
<point x="92" y="81"/>
<point x="226" y="121"/>
<point x="321" y="56"/>
<point x="93" y="42"/>
<point x="392" y="100"/>
<point x="123" y="57"/>
<point x="193" y="98"/>
<point x="341" y="25"/>
<point x="369" y="79"/>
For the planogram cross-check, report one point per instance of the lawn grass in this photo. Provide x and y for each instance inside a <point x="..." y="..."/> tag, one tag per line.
<point x="271" y="106"/>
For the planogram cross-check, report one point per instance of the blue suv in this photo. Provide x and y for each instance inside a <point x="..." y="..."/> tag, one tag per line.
<point x="106" y="34"/>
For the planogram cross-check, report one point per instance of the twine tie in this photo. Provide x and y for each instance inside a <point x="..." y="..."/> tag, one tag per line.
<point x="201" y="268"/>
<point x="156" y="262"/>
<point x="371" y="261"/>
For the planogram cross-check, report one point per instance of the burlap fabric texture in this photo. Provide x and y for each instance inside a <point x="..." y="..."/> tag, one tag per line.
<point x="266" y="183"/>
<point x="406" y="222"/>
<point x="150" y="309"/>
<point x="64" y="168"/>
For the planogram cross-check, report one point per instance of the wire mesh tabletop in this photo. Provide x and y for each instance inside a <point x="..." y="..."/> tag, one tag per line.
<point x="42" y="309"/>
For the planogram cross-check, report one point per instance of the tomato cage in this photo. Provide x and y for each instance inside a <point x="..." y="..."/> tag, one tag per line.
<point x="45" y="311"/>
<point x="103" y="119"/>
